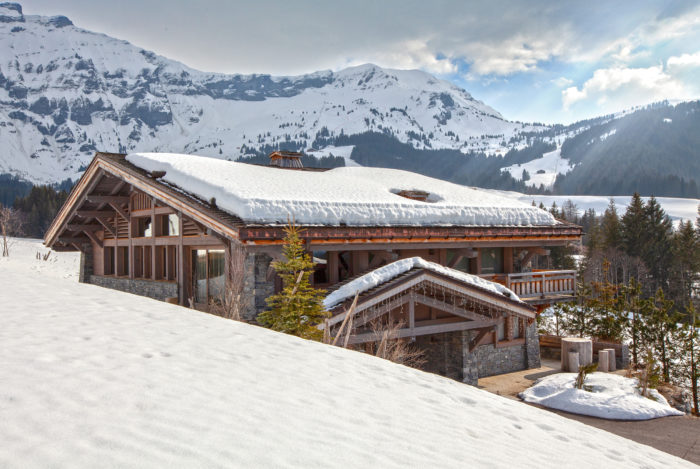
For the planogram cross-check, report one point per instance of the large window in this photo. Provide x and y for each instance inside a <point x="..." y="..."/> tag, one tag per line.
<point x="492" y="261"/>
<point x="143" y="227"/>
<point x="169" y="225"/>
<point x="208" y="274"/>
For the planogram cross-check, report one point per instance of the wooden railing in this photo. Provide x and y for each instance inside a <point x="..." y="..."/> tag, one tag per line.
<point x="538" y="284"/>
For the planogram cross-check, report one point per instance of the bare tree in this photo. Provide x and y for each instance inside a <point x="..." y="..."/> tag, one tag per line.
<point x="391" y="347"/>
<point x="232" y="302"/>
<point x="10" y="225"/>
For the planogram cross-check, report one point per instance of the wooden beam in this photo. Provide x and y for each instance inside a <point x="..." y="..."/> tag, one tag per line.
<point x="83" y="227"/>
<point x="425" y="330"/>
<point x="447" y="307"/>
<point x="181" y="262"/>
<point x="108" y="199"/>
<point x="120" y="210"/>
<point x="474" y="343"/>
<point x="384" y="309"/>
<point x="104" y="222"/>
<point x="94" y="213"/>
<point x="93" y="237"/>
<point x="71" y="240"/>
<point x="412" y="314"/>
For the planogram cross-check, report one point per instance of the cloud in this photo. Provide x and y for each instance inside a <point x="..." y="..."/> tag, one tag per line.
<point x="562" y="82"/>
<point x="410" y="54"/>
<point x="616" y="88"/>
<point x="684" y="61"/>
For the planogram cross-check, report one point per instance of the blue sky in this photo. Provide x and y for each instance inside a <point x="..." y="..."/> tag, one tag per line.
<point x="545" y="61"/>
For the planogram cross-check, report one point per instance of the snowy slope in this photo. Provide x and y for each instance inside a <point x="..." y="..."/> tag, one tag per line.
<point x="99" y="378"/>
<point x="353" y="196"/>
<point x="65" y="92"/>
<point x="678" y="209"/>
<point x="543" y="171"/>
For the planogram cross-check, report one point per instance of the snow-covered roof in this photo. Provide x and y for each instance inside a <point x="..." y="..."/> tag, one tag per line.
<point x="356" y="196"/>
<point x="384" y="274"/>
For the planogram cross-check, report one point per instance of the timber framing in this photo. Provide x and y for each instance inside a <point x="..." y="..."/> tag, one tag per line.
<point x="257" y="236"/>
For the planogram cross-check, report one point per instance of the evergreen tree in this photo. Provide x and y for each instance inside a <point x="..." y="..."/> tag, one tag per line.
<point x="611" y="228"/>
<point x="298" y="308"/>
<point x="609" y="316"/>
<point x="656" y="248"/>
<point x="685" y="273"/>
<point x="633" y="225"/>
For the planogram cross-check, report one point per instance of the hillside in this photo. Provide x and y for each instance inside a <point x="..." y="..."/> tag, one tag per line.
<point x="66" y="92"/>
<point x="98" y="378"/>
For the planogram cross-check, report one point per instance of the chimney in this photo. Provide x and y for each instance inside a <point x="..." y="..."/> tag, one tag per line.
<point x="286" y="159"/>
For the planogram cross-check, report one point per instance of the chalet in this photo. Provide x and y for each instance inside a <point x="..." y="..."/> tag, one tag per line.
<point x="451" y="263"/>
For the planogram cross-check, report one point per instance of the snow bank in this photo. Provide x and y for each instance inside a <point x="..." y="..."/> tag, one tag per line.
<point x="93" y="377"/>
<point x="352" y="196"/>
<point x="389" y="271"/>
<point x="612" y="397"/>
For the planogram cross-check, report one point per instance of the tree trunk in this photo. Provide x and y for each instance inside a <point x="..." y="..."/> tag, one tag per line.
<point x="603" y="360"/>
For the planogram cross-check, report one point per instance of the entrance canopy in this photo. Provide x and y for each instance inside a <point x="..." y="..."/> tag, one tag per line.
<point x="425" y="298"/>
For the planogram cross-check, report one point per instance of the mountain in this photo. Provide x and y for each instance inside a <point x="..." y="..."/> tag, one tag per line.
<point x="66" y="92"/>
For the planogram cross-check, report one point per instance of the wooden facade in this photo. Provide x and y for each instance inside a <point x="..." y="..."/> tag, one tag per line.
<point x="139" y="227"/>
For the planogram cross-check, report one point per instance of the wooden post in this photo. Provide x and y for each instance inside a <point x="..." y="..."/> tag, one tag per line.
<point x="130" y="224"/>
<point x="181" y="263"/>
<point x="508" y="260"/>
<point x="572" y="361"/>
<point x="332" y="267"/>
<point x="153" y="239"/>
<point x="612" y="365"/>
<point x="584" y="347"/>
<point x="603" y="360"/>
<point x="412" y="315"/>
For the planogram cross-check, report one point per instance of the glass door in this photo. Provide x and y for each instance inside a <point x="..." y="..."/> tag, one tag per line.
<point x="208" y="274"/>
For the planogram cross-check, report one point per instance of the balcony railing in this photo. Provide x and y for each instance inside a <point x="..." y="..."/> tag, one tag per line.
<point x="539" y="286"/>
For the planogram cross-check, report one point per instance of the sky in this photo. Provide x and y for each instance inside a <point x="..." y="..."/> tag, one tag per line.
<point x="534" y="61"/>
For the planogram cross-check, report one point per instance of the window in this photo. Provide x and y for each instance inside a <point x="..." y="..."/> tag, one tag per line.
<point x="208" y="267"/>
<point x="491" y="260"/>
<point x="516" y="327"/>
<point x="321" y="267"/>
<point x="122" y="261"/>
<point x="143" y="227"/>
<point x="169" y="225"/>
<point x="463" y="263"/>
<point x="108" y="260"/>
<point x="501" y="331"/>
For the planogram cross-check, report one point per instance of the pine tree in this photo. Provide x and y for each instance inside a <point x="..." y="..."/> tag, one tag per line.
<point x="298" y="308"/>
<point x="611" y="227"/>
<point x="609" y="316"/>
<point x="633" y="226"/>
<point x="656" y="248"/>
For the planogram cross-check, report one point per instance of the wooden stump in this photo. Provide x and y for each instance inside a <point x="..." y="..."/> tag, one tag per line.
<point x="584" y="347"/>
<point x="603" y="360"/>
<point x="612" y="365"/>
<point x="573" y="361"/>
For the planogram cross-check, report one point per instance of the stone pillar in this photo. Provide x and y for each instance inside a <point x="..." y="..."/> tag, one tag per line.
<point x="532" y="346"/>
<point x="470" y="364"/>
<point x="86" y="263"/>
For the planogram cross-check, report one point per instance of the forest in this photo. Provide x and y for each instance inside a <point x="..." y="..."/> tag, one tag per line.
<point x="639" y="283"/>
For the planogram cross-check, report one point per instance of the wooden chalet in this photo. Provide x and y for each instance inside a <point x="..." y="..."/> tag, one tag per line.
<point x="142" y="228"/>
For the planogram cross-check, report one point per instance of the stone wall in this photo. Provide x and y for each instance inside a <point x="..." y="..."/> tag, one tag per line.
<point x="159" y="290"/>
<point x="491" y="360"/>
<point x="86" y="263"/>
<point x="257" y="286"/>
<point x="443" y="353"/>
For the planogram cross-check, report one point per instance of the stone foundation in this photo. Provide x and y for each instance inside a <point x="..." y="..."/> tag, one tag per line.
<point x="257" y="286"/>
<point x="158" y="290"/>
<point x="448" y="355"/>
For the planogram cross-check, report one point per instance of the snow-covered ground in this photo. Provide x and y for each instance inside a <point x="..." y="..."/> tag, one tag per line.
<point x="551" y="164"/>
<point x="677" y="208"/>
<point x="98" y="378"/>
<point x="344" y="151"/>
<point x="610" y="397"/>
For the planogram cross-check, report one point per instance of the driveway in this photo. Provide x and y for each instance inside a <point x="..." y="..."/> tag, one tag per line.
<point x="679" y="436"/>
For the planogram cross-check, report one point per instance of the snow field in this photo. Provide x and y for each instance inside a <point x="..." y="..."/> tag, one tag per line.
<point x="93" y="377"/>
<point x="354" y="196"/>
<point x="551" y="163"/>
<point x="612" y="397"/>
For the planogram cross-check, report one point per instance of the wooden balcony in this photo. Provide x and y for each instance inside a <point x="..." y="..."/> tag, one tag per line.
<point x="540" y="287"/>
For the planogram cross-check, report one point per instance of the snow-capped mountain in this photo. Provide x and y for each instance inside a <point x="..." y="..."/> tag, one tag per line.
<point x="66" y="92"/>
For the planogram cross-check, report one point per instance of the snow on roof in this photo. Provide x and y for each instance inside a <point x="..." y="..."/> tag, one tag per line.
<point x="390" y="271"/>
<point x="353" y="196"/>
<point x="93" y="377"/>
